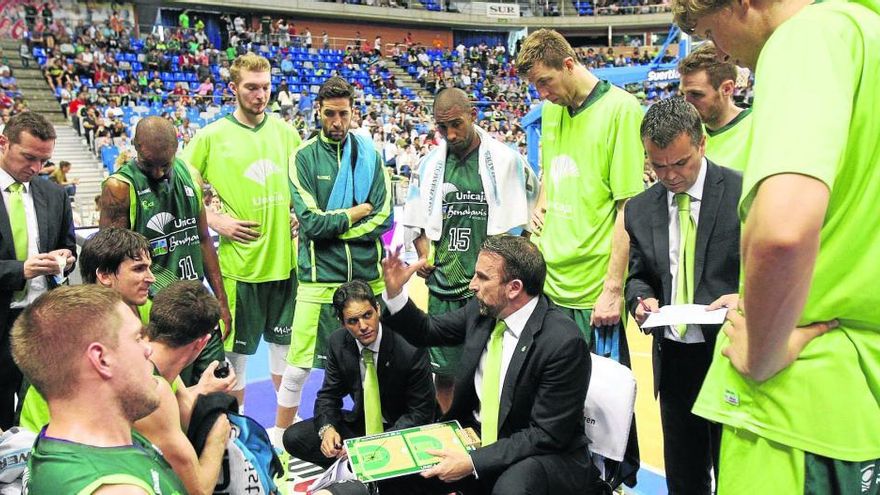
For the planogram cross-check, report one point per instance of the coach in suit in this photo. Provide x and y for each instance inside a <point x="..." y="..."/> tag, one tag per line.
<point x="403" y="377"/>
<point x="684" y="248"/>
<point x="521" y="382"/>
<point x="36" y="230"/>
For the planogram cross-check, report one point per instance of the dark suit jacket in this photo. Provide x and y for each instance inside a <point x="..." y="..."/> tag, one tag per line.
<point x="542" y="398"/>
<point x="406" y="390"/>
<point x="55" y="224"/>
<point x="716" y="261"/>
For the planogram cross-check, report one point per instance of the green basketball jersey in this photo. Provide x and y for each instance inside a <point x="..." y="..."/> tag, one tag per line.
<point x="61" y="466"/>
<point x="465" y="213"/>
<point x="590" y="160"/>
<point x="827" y="401"/>
<point x="167" y="214"/>
<point x="727" y="145"/>
<point x="248" y="169"/>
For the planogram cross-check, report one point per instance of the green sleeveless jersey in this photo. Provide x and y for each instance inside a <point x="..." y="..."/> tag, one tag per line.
<point x="727" y="145"/>
<point x="465" y="214"/>
<point x="57" y="466"/>
<point x="248" y="169"/>
<point x="167" y="214"/>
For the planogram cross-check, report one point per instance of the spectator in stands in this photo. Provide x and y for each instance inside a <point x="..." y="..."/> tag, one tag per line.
<point x="59" y="176"/>
<point x="24" y="52"/>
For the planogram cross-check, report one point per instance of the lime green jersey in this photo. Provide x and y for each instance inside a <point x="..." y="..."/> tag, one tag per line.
<point x="62" y="466"/>
<point x="248" y="169"/>
<point x="465" y="216"/>
<point x="727" y="145"/>
<point x="167" y="213"/>
<point x="815" y="114"/>
<point x="590" y="159"/>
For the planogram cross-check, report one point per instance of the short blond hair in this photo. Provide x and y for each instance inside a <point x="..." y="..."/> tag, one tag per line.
<point x="686" y="13"/>
<point x="250" y="62"/>
<point x="545" y="46"/>
<point x="50" y="337"/>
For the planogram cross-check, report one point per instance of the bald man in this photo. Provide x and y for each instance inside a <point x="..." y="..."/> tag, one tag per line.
<point x="464" y="161"/>
<point x="159" y="196"/>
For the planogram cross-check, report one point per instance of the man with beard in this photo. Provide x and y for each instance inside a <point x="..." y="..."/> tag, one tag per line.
<point x="487" y="189"/>
<point x="98" y="379"/>
<point x="532" y="428"/>
<point x="159" y="196"/>
<point x="342" y="197"/>
<point x="244" y="156"/>
<point x="708" y="83"/>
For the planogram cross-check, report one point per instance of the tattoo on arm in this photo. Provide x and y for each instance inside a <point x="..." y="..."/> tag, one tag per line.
<point x="115" y="205"/>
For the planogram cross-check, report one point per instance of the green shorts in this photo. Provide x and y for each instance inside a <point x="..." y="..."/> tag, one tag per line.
<point x="581" y="317"/>
<point x="752" y="464"/>
<point x="213" y="351"/>
<point x="312" y="325"/>
<point x="444" y="360"/>
<point x="264" y="308"/>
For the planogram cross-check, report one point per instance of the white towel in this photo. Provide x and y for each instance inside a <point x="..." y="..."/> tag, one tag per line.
<point x="507" y="180"/>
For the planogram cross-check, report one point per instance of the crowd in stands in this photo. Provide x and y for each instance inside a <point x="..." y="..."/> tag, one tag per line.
<point x="105" y="79"/>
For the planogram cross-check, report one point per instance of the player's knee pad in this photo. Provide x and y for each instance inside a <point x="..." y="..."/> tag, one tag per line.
<point x="239" y="364"/>
<point x="290" y="391"/>
<point x="277" y="358"/>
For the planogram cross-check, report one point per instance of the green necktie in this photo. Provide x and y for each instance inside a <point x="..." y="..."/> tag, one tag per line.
<point x="491" y="386"/>
<point x="372" y="406"/>
<point x="18" y="221"/>
<point x="687" y="229"/>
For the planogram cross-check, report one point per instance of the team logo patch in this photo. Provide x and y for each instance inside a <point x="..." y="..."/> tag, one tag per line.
<point x="868" y="477"/>
<point x="731" y="397"/>
<point x="159" y="221"/>
<point x="260" y="170"/>
<point x="189" y="192"/>
<point x="448" y="188"/>
<point x="159" y="246"/>
<point x="563" y="167"/>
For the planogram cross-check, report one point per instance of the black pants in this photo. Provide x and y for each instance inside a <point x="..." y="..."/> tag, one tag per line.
<point x="550" y="474"/>
<point x="10" y="376"/>
<point x="690" y="443"/>
<point x="301" y="440"/>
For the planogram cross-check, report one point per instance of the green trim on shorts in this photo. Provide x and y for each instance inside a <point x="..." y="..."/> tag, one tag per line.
<point x="582" y="318"/>
<point x="753" y="464"/>
<point x="259" y="309"/>
<point x="312" y="325"/>
<point x="444" y="360"/>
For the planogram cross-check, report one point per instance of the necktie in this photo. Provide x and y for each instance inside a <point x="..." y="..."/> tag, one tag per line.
<point x="372" y="406"/>
<point x="684" y="286"/>
<point x="491" y="386"/>
<point x="18" y="221"/>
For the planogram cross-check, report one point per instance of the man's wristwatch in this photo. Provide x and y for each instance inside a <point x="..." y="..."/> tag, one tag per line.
<point x="323" y="430"/>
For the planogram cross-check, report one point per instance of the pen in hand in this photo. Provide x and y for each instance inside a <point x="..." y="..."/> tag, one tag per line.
<point x="644" y="306"/>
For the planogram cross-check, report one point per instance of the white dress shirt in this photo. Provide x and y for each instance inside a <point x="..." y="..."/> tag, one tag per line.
<point x="36" y="285"/>
<point x="373" y="347"/>
<point x="694" y="332"/>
